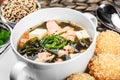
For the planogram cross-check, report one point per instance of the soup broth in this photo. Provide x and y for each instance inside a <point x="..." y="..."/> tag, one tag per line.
<point x="54" y="41"/>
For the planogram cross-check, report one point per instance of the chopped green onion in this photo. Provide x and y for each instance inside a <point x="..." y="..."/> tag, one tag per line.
<point x="53" y="42"/>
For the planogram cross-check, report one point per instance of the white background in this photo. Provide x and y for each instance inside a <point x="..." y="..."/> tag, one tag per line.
<point x="7" y="60"/>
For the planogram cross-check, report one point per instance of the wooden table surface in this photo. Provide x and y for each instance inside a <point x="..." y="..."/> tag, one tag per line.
<point x="81" y="5"/>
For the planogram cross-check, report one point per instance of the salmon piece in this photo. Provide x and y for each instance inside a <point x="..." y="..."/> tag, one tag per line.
<point x="23" y="39"/>
<point x="67" y="28"/>
<point x="45" y="56"/>
<point x="68" y="37"/>
<point x="62" y="52"/>
<point x="83" y="50"/>
<point x="69" y="48"/>
<point x="72" y="38"/>
<point x="52" y="27"/>
<point x="22" y="42"/>
<point x="69" y="33"/>
<point x="59" y="60"/>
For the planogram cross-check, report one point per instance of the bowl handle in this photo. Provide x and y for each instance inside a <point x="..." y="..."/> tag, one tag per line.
<point x="17" y="70"/>
<point x="92" y="18"/>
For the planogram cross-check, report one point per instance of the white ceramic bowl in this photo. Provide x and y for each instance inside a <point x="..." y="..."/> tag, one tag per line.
<point x="53" y="71"/>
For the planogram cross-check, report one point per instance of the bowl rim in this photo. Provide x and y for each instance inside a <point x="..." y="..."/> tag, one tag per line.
<point x="64" y="62"/>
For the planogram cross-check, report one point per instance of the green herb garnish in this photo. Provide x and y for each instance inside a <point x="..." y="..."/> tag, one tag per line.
<point x="1" y="42"/>
<point x="53" y="42"/>
<point x="4" y="36"/>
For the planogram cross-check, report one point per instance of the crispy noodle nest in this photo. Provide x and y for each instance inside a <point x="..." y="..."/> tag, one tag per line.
<point x="105" y="66"/>
<point x="108" y="42"/>
<point x="80" y="76"/>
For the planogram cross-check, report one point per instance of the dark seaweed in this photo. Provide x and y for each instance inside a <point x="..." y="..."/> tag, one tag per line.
<point x="81" y="44"/>
<point x="64" y="24"/>
<point x="31" y="47"/>
<point x="65" y="57"/>
<point x="43" y="25"/>
<point x="54" y="51"/>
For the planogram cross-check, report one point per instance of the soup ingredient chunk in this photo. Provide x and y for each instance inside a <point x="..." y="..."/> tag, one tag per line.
<point x="40" y="33"/>
<point x="4" y="36"/>
<point x="23" y="39"/>
<point x="105" y="66"/>
<point x="80" y="76"/>
<point x="52" y="27"/>
<point x="30" y="48"/>
<point x="45" y="56"/>
<point x="52" y="41"/>
<point x="58" y="60"/>
<point x="108" y="42"/>
<point x="69" y="48"/>
<point x="62" y="53"/>
<point x="82" y="34"/>
<point x="68" y="33"/>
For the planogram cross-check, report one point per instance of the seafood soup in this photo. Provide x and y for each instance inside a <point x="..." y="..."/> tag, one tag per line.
<point x="54" y="41"/>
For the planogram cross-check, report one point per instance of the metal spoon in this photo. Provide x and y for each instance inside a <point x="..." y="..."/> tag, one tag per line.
<point x="109" y="16"/>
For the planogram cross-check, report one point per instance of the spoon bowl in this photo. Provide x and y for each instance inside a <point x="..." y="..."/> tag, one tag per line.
<point x="109" y="16"/>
